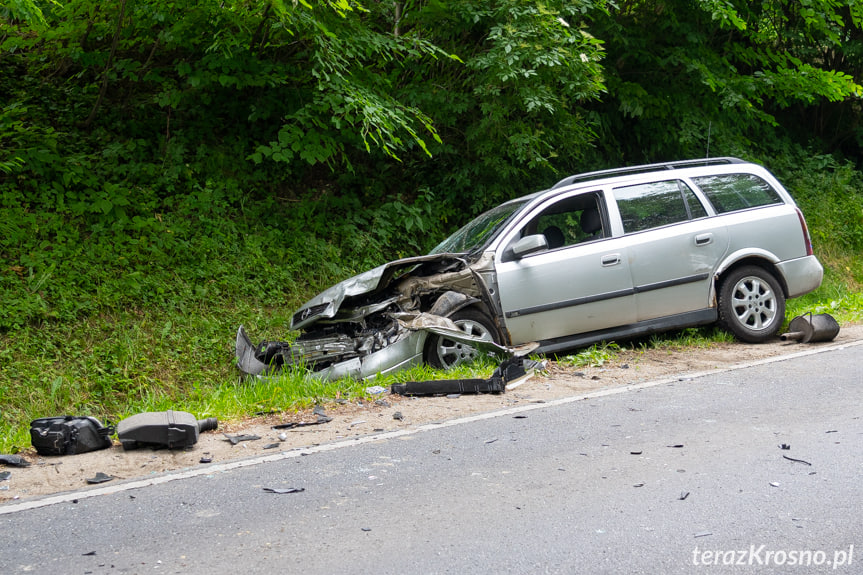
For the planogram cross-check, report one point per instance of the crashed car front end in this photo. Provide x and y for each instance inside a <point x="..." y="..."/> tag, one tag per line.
<point x="377" y="322"/>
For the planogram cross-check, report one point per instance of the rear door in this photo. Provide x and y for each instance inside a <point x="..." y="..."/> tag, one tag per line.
<point x="674" y="247"/>
<point x="581" y="284"/>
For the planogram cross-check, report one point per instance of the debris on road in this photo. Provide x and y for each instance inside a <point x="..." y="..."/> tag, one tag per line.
<point x="159" y="429"/>
<point x="69" y="435"/>
<point x="292" y="424"/>
<point x="235" y="439"/>
<point x="513" y="370"/>
<point x="284" y="490"/>
<point x="100" y="478"/>
<point x="811" y="329"/>
<point x="14" y="460"/>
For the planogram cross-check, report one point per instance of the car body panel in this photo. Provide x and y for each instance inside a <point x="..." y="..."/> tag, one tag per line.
<point x="801" y="275"/>
<point x="570" y="290"/>
<point x="672" y="267"/>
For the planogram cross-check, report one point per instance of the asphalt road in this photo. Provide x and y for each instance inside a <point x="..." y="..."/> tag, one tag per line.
<point x="682" y="477"/>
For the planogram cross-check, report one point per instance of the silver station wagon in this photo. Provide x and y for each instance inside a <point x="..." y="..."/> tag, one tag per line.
<point x="600" y="256"/>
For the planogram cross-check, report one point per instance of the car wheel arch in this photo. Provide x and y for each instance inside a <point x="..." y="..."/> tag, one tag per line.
<point x="450" y="302"/>
<point x="760" y="258"/>
<point x="443" y="353"/>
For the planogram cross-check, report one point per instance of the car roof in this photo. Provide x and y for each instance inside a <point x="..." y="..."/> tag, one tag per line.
<point x="645" y="169"/>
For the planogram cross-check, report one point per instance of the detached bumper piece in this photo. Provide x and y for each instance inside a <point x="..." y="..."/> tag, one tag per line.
<point x="510" y="370"/>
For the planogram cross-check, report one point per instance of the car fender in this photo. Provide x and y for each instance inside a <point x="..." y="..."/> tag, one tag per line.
<point x="450" y="302"/>
<point x="745" y="254"/>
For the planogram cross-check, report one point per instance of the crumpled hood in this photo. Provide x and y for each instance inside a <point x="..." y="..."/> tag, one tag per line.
<point x="327" y="303"/>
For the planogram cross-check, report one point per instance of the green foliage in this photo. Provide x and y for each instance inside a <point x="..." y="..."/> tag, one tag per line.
<point x="711" y="77"/>
<point x="830" y="193"/>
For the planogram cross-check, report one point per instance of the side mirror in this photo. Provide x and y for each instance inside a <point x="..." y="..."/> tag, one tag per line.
<point x="529" y="245"/>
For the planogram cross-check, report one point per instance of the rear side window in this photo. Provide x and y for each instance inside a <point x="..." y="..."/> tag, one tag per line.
<point x="656" y="204"/>
<point x="732" y="192"/>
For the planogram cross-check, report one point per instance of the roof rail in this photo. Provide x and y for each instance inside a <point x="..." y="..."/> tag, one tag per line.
<point x="644" y="169"/>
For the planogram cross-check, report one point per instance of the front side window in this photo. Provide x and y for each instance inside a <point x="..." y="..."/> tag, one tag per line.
<point x="656" y="204"/>
<point x="733" y="192"/>
<point x="570" y="221"/>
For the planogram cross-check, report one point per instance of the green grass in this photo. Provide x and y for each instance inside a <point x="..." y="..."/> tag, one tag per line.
<point x="116" y="364"/>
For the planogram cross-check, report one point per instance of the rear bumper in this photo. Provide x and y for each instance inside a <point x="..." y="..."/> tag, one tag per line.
<point x="802" y="275"/>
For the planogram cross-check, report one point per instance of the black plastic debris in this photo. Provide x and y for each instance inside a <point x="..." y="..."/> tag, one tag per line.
<point x="285" y="490"/>
<point x="509" y="370"/>
<point x="100" y="478"/>
<point x="683" y="496"/>
<point x="206" y="460"/>
<point x="4" y="475"/>
<point x="785" y="446"/>
<point x="796" y="460"/>
<point x="69" y="435"/>
<point x="450" y="386"/>
<point x="398" y="416"/>
<point x="235" y="439"/>
<point x="322" y="418"/>
<point x="171" y="429"/>
<point x="14" y="460"/>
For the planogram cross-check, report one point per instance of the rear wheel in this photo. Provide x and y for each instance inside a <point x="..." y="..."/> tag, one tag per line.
<point x="751" y="304"/>
<point x="445" y="353"/>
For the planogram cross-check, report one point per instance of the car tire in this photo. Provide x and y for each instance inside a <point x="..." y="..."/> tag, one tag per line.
<point x="445" y="353"/>
<point x="751" y="304"/>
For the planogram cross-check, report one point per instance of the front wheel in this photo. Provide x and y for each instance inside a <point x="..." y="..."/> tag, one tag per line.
<point x="751" y="304"/>
<point x="445" y="353"/>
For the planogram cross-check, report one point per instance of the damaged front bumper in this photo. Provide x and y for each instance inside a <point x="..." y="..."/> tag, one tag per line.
<point x="336" y="356"/>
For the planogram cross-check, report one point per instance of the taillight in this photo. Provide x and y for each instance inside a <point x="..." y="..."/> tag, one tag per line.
<point x="805" y="229"/>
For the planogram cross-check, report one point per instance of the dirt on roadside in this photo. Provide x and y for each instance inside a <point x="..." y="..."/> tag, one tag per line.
<point x="389" y="412"/>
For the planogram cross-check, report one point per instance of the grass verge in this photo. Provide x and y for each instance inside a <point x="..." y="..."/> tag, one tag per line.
<point x="117" y="364"/>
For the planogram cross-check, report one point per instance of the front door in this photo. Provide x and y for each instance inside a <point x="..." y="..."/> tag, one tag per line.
<point x="582" y="283"/>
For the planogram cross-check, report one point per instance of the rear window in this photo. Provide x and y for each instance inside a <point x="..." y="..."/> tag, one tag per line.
<point x="733" y="192"/>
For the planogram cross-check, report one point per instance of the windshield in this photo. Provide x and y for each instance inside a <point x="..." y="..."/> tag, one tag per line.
<point x="480" y="231"/>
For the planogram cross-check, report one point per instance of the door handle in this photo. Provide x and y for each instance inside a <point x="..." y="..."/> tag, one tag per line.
<point x="703" y="239"/>
<point x="610" y="260"/>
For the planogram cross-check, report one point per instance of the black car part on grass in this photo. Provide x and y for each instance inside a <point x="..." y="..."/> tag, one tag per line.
<point x="171" y="429"/>
<point x="69" y="435"/>
<point x="509" y="370"/>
